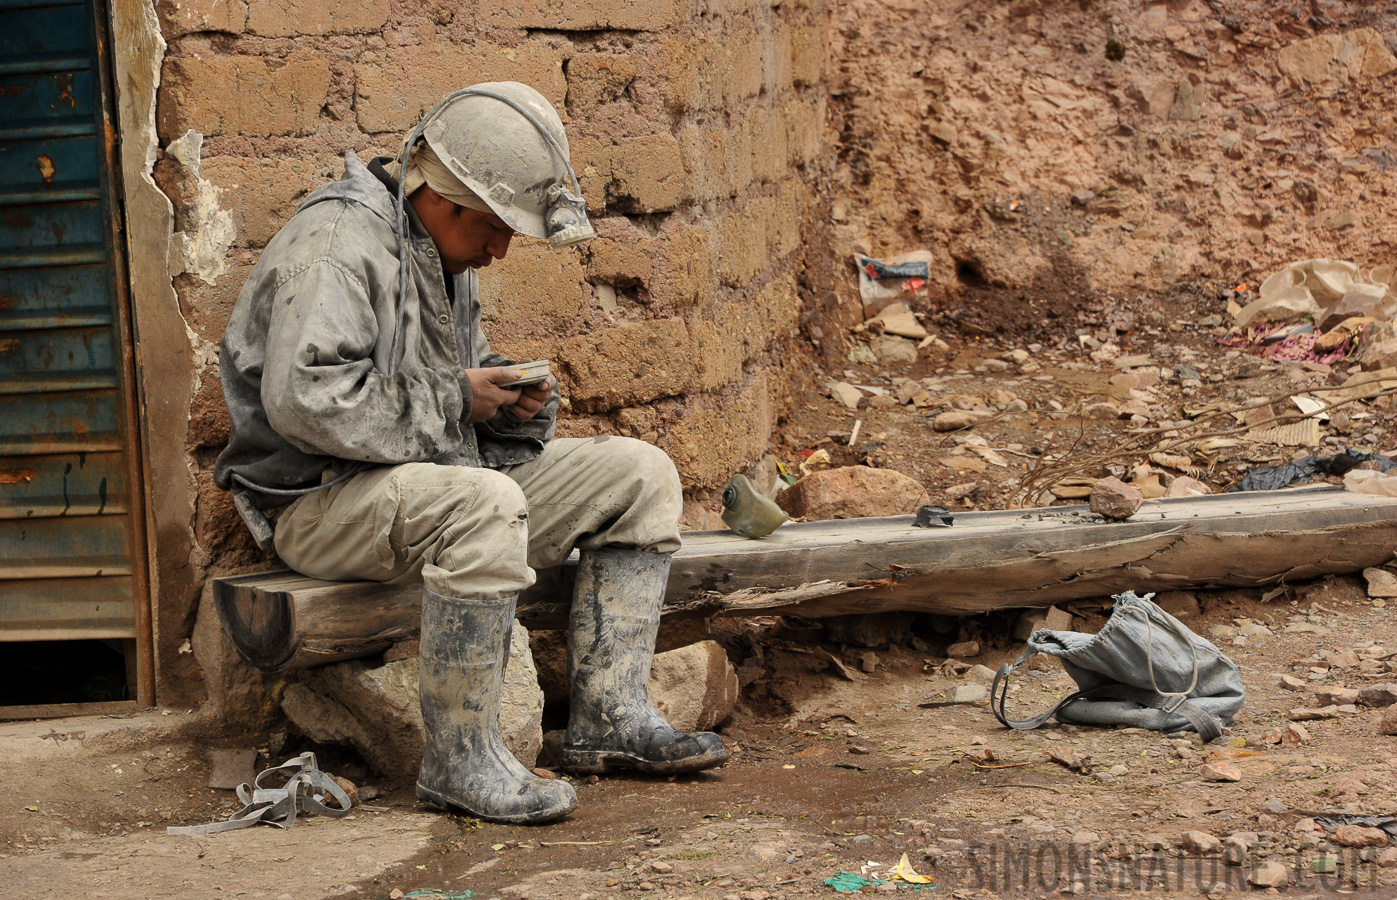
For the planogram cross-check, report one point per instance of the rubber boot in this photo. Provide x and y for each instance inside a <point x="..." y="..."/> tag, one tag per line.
<point x="466" y="765"/>
<point x="611" y="643"/>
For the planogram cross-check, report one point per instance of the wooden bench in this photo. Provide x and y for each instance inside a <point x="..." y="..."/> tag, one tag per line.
<point x="986" y="560"/>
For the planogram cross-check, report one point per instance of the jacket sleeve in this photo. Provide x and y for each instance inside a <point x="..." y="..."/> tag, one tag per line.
<point x="504" y="428"/>
<point x="324" y="394"/>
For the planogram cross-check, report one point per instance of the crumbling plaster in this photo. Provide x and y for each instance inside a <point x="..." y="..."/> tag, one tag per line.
<point x="164" y="354"/>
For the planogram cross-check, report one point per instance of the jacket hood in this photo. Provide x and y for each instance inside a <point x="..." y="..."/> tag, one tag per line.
<point x="357" y="185"/>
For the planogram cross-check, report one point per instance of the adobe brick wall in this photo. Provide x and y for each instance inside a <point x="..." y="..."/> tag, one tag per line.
<point x="696" y="128"/>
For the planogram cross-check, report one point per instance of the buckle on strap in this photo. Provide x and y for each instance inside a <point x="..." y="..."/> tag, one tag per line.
<point x="1173" y="701"/>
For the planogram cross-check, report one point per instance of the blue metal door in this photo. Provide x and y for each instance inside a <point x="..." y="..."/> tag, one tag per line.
<point x="71" y="522"/>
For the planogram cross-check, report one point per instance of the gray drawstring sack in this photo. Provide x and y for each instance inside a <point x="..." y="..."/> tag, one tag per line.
<point x="1144" y="668"/>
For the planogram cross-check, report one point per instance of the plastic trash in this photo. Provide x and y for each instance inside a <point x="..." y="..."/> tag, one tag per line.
<point x="1270" y="478"/>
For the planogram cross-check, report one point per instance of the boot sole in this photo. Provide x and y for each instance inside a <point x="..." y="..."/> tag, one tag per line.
<point x="436" y="798"/>
<point x="597" y="762"/>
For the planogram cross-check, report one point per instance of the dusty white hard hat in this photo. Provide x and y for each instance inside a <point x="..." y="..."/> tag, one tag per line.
<point x="505" y="142"/>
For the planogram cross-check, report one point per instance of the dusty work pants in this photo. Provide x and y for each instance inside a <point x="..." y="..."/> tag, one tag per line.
<point x="480" y="533"/>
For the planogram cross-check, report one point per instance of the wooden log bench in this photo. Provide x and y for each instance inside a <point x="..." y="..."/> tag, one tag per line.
<point x="985" y="561"/>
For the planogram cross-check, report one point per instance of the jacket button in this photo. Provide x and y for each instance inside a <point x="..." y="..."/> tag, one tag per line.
<point x="431" y="252"/>
<point x="443" y="319"/>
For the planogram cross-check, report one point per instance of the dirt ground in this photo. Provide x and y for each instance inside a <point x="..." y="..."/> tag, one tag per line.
<point x="848" y="776"/>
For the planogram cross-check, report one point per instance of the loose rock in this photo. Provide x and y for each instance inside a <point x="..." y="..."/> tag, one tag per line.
<point x="1378" y="695"/>
<point x="1199" y="842"/>
<point x="1032" y="620"/>
<point x="1336" y="696"/>
<point x="963" y="650"/>
<point x="695" y="687"/>
<point x="853" y="492"/>
<point x="969" y="693"/>
<point x="1358" y="836"/>
<point x="1114" y="499"/>
<point x="1381" y="583"/>
<point x="1388" y="724"/>
<point x="1221" y="771"/>
<point x="954" y="420"/>
<point x="845" y="393"/>
<point x="1269" y="874"/>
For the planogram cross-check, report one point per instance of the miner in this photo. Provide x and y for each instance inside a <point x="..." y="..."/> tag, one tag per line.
<point x="376" y="436"/>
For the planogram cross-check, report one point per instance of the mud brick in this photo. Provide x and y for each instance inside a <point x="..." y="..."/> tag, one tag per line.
<point x="743" y="242"/>
<point x="596" y="78"/>
<point x="395" y="90"/>
<point x="247" y="95"/>
<point x="533" y="282"/>
<point x="262" y="194"/>
<point x="285" y="18"/>
<point x="808" y="42"/>
<point x="627" y="365"/>
<point x="744" y="65"/>
<point x="767" y="135"/>
<point x="638" y="174"/>
<point x="592" y="15"/>
<point x="720" y="434"/>
<point x="779" y="71"/>
<point x="179" y="19"/>
<point x="804" y="129"/>
<point x="690" y="76"/>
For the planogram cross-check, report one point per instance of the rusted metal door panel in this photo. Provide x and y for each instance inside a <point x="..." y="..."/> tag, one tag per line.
<point x="82" y="422"/>
<point x="64" y="359"/>
<point x="71" y="520"/>
<point x="52" y="298"/>
<point x="29" y="231"/>
<point x="45" y="37"/>
<point x="48" y="169"/>
<point x="69" y="484"/>
<point x="65" y="547"/>
<point x="47" y="103"/>
<point x="66" y="609"/>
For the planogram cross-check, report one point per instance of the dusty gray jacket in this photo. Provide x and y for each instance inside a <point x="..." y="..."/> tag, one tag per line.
<point x="304" y="358"/>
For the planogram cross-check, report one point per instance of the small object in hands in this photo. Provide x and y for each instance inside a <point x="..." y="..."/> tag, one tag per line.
<point x="531" y="373"/>
<point x="748" y="512"/>
<point x="930" y="516"/>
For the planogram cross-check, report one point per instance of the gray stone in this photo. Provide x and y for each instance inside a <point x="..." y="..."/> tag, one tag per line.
<point x="695" y="687"/>
<point x="1199" y="842"/>
<point x="1378" y="695"/>
<point x="892" y="349"/>
<point x="1381" y="583"/>
<point x="845" y="393"/>
<point x="376" y="709"/>
<point x="969" y="693"/>
<point x="1049" y="617"/>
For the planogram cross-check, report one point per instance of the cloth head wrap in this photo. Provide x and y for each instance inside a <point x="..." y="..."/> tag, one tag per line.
<point x="425" y="167"/>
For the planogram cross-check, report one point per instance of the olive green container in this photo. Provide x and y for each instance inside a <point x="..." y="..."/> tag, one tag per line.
<point x="748" y="512"/>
